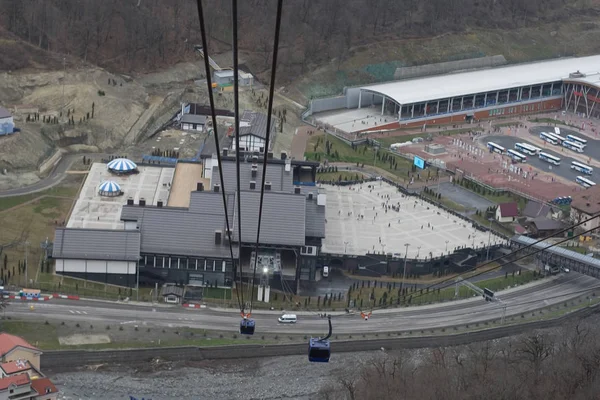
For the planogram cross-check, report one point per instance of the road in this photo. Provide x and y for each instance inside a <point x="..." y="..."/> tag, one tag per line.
<point x="563" y="170"/>
<point x="517" y="300"/>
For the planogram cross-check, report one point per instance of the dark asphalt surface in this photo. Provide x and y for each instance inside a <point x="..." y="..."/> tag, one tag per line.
<point x="563" y="170"/>
<point x="591" y="150"/>
<point x="463" y="196"/>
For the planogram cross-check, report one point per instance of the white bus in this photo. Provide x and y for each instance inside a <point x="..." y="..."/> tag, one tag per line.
<point x="496" y="148"/>
<point x="586" y="183"/>
<point x="549" y="158"/>
<point x="577" y="166"/>
<point x="550" y="138"/>
<point x="516" y="156"/>
<point x="577" y="139"/>
<point x="573" y="146"/>
<point x="527" y="148"/>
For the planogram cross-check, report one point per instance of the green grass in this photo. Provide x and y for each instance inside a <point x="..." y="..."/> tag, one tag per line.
<point x="495" y="226"/>
<point x="341" y="152"/>
<point x="10" y="202"/>
<point x="36" y="333"/>
<point x="434" y="296"/>
<point x="339" y="176"/>
<point x="66" y="285"/>
<point x="452" y="205"/>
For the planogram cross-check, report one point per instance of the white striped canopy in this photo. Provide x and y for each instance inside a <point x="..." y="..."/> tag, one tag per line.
<point x="121" y="165"/>
<point x="109" y="187"/>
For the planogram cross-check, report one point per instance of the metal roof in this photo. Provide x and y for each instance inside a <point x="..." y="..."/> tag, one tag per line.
<point x="315" y="219"/>
<point x="281" y="181"/>
<point x="589" y="79"/>
<point x="283" y="218"/>
<point x="180" y="232"/>
<point x="255" y="123"/>
<point x="193" y="119"/>
<point x="570" y="254"/>
<point x="96" y="244"/>
<point x="486" y="80"/>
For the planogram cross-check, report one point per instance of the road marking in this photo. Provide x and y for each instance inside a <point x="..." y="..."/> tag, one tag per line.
<point x="72" y="312"/>
<point x="85" y="312"/>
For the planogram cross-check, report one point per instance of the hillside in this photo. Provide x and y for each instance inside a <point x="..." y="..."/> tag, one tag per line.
<point x="140" y="35"/>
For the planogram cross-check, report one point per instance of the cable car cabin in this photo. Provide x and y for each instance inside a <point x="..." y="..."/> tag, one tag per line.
<point x="319" y="350"/>
<point x="247" y="326"/>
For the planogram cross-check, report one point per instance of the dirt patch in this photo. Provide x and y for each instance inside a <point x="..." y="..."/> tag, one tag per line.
<point x="78" y="339"/>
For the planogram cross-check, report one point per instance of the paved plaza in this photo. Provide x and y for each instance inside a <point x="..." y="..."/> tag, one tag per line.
<point x="357" y="223"/>
<point x="97" y="212"/>
<point x="355" y="119"/>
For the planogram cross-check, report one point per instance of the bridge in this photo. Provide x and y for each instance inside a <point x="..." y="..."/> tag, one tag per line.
<point x="559" y="256"/>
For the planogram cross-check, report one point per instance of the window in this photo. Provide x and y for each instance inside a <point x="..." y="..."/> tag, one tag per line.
<point x="223" y="265"/>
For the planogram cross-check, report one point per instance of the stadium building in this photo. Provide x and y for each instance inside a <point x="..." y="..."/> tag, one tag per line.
<point x="158" y="243"/>
<point x="572" y="83"/>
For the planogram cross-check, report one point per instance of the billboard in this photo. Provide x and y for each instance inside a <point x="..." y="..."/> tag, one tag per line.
<point x="419" y="162"/>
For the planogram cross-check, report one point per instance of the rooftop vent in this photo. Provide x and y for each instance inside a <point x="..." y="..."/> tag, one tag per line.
<point x="262" y="149"/>
<point x="310" y="196"/>
<point x="159" y="203"/>
<point x="254" y="159"/>
<point x="267" y="185"/>
<point x="254" y="170"/>
<point x="252" y="184"/>
<point x="129" y="201"/>
<point x="218" y="235"/>
<point x="217" y="187"/>
<point x="297" y="190"/>
<point x="270" y="155"/>
<point x="283" y="155"/>
<point x="142" y="202"/>
<point x="577" y="74"/>
<point x="225" y="151"/>
<point x="199" y="187"/>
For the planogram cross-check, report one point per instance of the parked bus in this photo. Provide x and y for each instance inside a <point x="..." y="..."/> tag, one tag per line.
<point x="550" y="138"/>
<point x="586" y="183"/>
<point x="516" y="156"/>
<point x="527" y="148"/>
<point x="577" y="140"/>
<point x="549" y="158"/>
<point x="573" y="146"/>
<point x="496" y="148"/>
<point x="582" y="168"/>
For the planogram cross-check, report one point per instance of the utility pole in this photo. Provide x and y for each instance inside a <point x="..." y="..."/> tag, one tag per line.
<point x="63" y="86"/>
<point x="26" y="251"/>
<point x="487" y="257"/>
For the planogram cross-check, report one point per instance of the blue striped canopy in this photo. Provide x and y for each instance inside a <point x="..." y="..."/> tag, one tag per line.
<point x="121" y="165"/>
<point x="109" y="187"/>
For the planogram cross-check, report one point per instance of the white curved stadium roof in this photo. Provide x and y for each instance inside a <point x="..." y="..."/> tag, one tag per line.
<point x="486" y="80"/>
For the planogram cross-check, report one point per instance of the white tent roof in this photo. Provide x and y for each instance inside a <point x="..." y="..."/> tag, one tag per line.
<point x="481" y="81"/>
<point x="109" y="187"/>
<point x="122" y="165"/>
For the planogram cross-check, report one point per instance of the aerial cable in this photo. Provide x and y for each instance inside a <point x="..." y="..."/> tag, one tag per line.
<point x="236" y="110"/>
<point x="529" y="254"/>
<point x="216" y="135"/>
<point x="267" y="141"/>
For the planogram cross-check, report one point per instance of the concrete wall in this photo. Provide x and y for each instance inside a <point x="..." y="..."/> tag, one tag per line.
<point x="367" y="99"/>
<point x="68" y="360"/>
<point x="448" y="67"/>
<point x="327" y="104"/>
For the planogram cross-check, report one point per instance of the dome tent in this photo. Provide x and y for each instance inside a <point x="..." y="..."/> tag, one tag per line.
<point x="109" y="189"/>
<point x="121" y="166"/>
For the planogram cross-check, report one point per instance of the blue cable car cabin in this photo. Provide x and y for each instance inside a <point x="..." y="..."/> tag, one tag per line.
<point x="319" y="350"/>
<point x="247" y="326"/>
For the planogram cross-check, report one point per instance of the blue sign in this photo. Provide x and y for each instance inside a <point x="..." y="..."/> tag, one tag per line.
<point x="419" y="162"/>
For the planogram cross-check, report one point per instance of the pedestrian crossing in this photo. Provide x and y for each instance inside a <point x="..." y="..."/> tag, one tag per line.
<point x="77" y="312"/>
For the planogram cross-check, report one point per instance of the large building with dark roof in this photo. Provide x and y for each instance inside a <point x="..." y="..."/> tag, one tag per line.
<point x="190" y="245"/>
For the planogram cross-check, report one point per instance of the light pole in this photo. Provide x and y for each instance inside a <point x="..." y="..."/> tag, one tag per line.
<point x="383" y="248"/>
<point x="26" y="251"/>
<point x="346" y="247"/>
<point x="418" y="251"/>
<point x="404" y="273"/>
<point x="447" y="245"/>
<point x="63" y="85"/>
<point x="487" y="257"/>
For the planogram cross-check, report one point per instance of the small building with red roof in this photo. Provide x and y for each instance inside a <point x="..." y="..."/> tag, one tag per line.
<point x="13" y="348"/>
<point x="16" y="387"/>
<point x="19" y="367"/>
<point x="45" y="389"/>
<point x="507" y="212"/>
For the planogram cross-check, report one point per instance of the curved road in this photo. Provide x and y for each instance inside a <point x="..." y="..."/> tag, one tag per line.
<point x="518" y="301"/>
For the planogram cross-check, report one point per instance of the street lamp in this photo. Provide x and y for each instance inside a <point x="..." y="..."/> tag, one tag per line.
<point x="383" y="248"/>
<point x="487" y="257"/>
<point x="346" y="246"/>
<point x="447" y="245"/>
<point x="418" y="251"/>
<point x="404" y="274"/>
